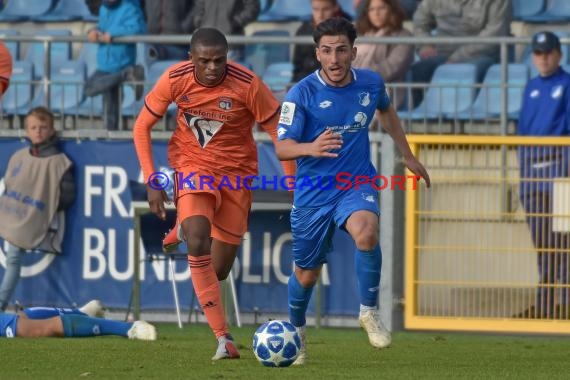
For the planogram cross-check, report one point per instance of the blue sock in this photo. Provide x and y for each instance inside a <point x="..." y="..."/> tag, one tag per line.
<point x="299" y="298"/>
<point x="82" y="326"/>
<point x="368" y="265"/>
<point x="49" y="312"/>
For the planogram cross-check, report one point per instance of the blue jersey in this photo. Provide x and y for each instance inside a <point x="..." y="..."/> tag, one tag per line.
<point x="311" y="107"/>
<point x="8" y="325"/>
<point x="545" y="111"/>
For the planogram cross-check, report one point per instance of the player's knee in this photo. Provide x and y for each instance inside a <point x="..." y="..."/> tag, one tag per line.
<point x="222" y="273"/>
<point x="198" y="245"/>
<point x="307" y="279"/>
<point x="367" y="239"/>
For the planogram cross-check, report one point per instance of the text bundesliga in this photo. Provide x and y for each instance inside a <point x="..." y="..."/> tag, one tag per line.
<point x="340" y="181"/>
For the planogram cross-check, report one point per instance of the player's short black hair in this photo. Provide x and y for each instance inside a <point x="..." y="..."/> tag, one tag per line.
<point x="208" y="37"/>
<point x="336" y="26"/>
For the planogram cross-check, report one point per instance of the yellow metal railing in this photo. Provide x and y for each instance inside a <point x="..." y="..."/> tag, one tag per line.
<point x="472" y="261"/>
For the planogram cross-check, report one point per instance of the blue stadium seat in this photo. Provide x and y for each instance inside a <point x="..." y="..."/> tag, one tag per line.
<point x="13" y="46"/>
<point x="23" y="10"/>
<point x="130" y="106"/>
<point x="66" y="91"/>
<point x="59" y="52"/>
<point x="278" y="76"/>
<point x="526" y="8"/>
<point x="261" y="55"/>
<point x="287" y="10"/>
<point x="88" y="54"/>
<point x="488" y="101"/>
<point x="18" y="97"/>
<point x="556" y="11"/>
<point x="264" y="5"/>
<point x="67" y="10"/>
<point x="449" y="93"/>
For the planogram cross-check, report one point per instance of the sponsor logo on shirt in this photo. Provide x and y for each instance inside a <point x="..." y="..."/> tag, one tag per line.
<point x="225" y="103"/>
<point x="557" y="91"/>
<point x="287" y="113"/>
<point x="325" y="104"/>
<point x="534" y="93"/>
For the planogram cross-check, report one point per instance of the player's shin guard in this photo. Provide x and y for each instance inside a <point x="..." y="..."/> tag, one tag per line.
<point x="77" y="326"/>
<point x="299" y="298"/>
<point x="368" y="265"/>
<point x="207" y="290"/>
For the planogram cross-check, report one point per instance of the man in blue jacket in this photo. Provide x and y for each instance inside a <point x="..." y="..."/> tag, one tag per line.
<point x="545" y="111"/>
<point x="116" y="62"/>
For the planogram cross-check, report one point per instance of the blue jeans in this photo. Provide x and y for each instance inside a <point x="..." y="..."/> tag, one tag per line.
<point x="109" y="85"/>
<point x="11" y="275"/>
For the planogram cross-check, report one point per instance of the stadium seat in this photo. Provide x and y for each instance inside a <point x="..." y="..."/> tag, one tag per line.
<point x="278" y="76"/>
<point x="526" y="8"/>
<point x="23" y="10"/>
<point x="59" y="52"/>
<point x="449" y="93"/>
<point x="264" y="5"/>
<point x="13" y="46"/>
<point x="17" y="100"/>
<point x="66" y="91"/>
<point x="261" y="55"/>
<point x="88" y="54"/>
<point x="488" y="101"/>
<point x="67" y="10"/>
<point x="556" y="11"/>
<point x="287" y="10"/>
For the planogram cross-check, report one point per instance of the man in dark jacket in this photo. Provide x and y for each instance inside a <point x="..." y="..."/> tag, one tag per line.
<point x="228" y="16"/>
<point x="304" y="58"/>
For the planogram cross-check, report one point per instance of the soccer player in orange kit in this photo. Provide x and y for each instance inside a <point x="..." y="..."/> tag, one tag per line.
<point x="218" y="102"/>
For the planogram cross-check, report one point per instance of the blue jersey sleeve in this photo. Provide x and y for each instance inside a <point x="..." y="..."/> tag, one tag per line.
<point x="383" y="98"/>
<point x="292" y="118"/>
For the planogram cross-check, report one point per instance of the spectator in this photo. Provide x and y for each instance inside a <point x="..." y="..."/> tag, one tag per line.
<point x="228" y="16"/>
<point x="169" y="17"/>
<point x="115" y="62"/>
<point x="5" y="68"/>
<point x="545" y="111"/>
<point x="43" y="175"/>
<point x="53" y="322"/>
<point x="304" y="59"/>
<point x="452" y="18"/>
<point x="392" y="61"/>
<point x="408" y="6"/>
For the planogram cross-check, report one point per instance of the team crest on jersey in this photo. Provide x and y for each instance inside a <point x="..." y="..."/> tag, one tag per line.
<point x="364" y="99"/>
<point x="557" y="92"/>
<point x="225" y="103"/>
<point x="203" y="129"/>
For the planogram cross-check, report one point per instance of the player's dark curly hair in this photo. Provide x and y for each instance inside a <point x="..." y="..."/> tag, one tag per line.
<point x="336" y="26"/>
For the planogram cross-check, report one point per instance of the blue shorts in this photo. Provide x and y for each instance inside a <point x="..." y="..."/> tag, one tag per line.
<point x="313" y="228"/>
<point x="8" y="325"/>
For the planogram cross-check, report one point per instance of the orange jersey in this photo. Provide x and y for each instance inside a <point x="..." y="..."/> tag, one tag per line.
<point x="5" y="67"/>
<point x="214" y="124"/>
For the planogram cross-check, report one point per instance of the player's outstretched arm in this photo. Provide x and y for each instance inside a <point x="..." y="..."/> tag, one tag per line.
<point x="290" y="149"/>
<point x="391" y="123"/>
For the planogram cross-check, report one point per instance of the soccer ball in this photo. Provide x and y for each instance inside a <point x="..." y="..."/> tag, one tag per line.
<point x="276" y="344"/>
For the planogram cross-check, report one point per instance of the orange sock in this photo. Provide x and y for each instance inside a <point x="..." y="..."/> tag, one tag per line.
<point x="208" y="291"/>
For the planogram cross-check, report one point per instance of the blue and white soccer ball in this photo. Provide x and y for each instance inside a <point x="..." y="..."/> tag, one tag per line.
<point x="276" y="344"/>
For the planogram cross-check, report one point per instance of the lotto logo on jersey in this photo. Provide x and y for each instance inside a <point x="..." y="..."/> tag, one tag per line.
<point x="225" y="104"/>
<point x="287" y="113"/>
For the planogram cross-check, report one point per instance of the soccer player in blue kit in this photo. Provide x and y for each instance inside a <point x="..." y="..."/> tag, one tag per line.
<point x="324" y="126"/>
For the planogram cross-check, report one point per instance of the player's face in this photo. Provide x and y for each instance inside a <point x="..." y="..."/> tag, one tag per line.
<point x="378" y="13"/>
<point x="323" y="10"/>
<point x="546" y="63"/>
<point x="38" y="131"/>
<point x="335" y="55"/>
<point x="210" y="63"/>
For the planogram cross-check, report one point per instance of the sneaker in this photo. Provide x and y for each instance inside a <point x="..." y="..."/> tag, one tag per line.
<point x="226" y="348"/>
<point x="93" y="308"/>
<point x="302" y="357"/>
<point x="378" y="335"/>
<point x="136" y="74"/>
<point x="142" y="330"/>
<point x="172" y="239"/>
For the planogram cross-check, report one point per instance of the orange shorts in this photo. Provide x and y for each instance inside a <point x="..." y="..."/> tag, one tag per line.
<point x="226" y="208"/>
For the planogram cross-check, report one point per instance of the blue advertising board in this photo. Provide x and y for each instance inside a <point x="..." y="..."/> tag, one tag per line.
<point x="97" y="258"/>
